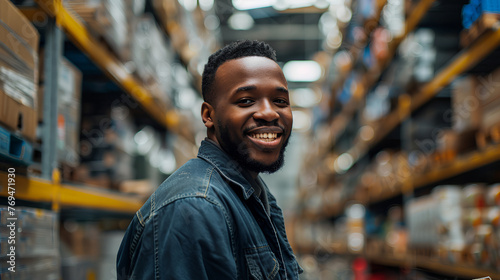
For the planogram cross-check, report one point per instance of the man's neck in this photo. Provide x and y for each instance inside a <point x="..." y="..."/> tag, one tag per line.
<point x="253" y="174"/>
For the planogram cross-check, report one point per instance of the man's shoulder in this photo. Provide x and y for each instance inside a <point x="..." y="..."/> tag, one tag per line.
<point x="196" y="178"/>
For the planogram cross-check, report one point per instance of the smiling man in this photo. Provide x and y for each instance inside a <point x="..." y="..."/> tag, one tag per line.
<point x="214" y="218"/>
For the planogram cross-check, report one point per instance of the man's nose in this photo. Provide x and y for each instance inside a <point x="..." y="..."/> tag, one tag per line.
<point x="266" y="111"/>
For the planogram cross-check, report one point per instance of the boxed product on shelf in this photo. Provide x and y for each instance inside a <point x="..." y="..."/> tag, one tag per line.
<point x="459" y="223"/>
<point x="68" y="112"/>
<point x="36" y="242"/>
<point x="80" y="249"/>
<point x="18" y="71"/>
<point x="466" y="113"/>
<point x="435" y="220"/>
<point x="488" y="96"/>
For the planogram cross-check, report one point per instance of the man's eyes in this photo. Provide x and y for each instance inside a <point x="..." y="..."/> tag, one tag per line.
<point x="282" y="102"/>
<point x="245" y="102"/>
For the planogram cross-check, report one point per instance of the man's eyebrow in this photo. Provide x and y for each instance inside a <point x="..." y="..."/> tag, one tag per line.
<point x="245" y="88"/>
<point x="282" y="89"/>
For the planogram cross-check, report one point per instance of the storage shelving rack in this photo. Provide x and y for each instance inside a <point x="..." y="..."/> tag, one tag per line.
<point x="484" y="41"/>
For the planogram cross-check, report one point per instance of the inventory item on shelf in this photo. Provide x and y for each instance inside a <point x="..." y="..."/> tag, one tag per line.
<point x="115" y="21"/>
<point x="80" y="249"/>
<point x="30" y="243"/>
<point x="455" y="224"/>
<point x="18" y="71"/>
<point x="153" y="59"/>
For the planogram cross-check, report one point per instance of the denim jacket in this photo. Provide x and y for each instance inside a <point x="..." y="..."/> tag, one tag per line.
<point x="204" y="222"/>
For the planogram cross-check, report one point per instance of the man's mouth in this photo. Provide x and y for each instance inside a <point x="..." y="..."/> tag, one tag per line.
<point x="266" y="137"/>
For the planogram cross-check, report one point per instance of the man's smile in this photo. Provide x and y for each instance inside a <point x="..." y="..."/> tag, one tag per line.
<point x="266" y="137"/>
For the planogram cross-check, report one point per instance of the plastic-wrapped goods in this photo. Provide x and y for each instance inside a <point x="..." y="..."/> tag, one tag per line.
<point x="30" y="238"/>
<point x="153" y="57"/>
<point x="436" y="219"/>
<point x="18" y="71"/>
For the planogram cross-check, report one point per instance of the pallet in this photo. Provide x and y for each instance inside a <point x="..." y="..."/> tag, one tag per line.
<point x="14" y="148"/>
<point x="489" y="136"/>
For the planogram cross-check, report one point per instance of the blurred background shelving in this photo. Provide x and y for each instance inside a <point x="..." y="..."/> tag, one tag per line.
<point x="392" y="171"/>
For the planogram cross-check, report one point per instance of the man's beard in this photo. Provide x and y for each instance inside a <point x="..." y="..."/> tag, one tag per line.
<point x="241" y="153"/>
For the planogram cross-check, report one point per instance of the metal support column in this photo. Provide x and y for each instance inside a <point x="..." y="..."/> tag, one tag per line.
<point x="52" y="59"/>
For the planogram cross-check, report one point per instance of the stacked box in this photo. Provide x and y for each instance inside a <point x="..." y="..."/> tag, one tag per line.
<point x="18" y="71"/>
<point x="489" y="100"/>
<point x="36" y="244"/>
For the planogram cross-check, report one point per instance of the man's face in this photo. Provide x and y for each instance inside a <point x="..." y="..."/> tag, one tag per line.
<point x="252" y="116"/>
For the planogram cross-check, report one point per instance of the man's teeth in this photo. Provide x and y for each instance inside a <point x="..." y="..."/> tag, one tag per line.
<point x="265" y="136"/>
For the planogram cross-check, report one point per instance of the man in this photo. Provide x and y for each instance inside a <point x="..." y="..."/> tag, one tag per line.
<point x="214" y="218"/>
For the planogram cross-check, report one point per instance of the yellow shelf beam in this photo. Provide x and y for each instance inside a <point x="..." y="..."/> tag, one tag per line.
<point x="107" y="61"/>
<point x="459" y="165"/>
<point x="39" y="190"/>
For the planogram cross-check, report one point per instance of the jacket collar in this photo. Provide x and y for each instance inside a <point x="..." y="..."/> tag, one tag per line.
<point x="227" y="167"/>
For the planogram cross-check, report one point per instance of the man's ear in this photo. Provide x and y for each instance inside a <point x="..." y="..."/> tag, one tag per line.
<point x="206" y="114"/>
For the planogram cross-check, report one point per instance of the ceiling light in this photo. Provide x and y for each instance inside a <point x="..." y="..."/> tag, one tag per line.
<point x="212" y="22"/>
<point x="189" y="5"/>
<point x="294" y="4"/>
<point x="321" y="4"/>
<point x="305" y="97"/>
<point x="301" y="121"/>
<point x="302" y="71"/>
<point x="252" y="4"/>
<point x="241" y="21"/>
<point x="206" y="5"/>
<point x="344" y="14"/>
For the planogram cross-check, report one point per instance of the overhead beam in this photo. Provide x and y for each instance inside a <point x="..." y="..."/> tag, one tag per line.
<point x="270" y="32"/>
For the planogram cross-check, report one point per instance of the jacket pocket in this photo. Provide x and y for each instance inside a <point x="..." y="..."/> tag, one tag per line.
<point x="262" y="264"/>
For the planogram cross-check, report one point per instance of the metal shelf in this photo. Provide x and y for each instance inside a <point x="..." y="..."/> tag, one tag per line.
<point x="461" y="62"/>
<point x="409" y="261"/>
<point x="40" y="190"/>
<point x="107" y="61"/>
<point x="459" y="165"/>
<point x="434" y="265"/>
<point x="345" y="116"/>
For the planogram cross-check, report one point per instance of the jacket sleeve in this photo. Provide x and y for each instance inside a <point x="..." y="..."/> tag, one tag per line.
<point x="187" y="239"/>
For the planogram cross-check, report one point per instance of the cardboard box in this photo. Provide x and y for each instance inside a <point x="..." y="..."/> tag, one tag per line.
<point x="466" y="104"/>
<point x="18" y="71"/>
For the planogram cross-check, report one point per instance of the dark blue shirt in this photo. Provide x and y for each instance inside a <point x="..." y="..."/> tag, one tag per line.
<point x="205" y="222"/>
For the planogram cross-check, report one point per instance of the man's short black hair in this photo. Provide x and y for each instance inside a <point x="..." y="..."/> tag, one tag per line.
<point x="232" y="51"/>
